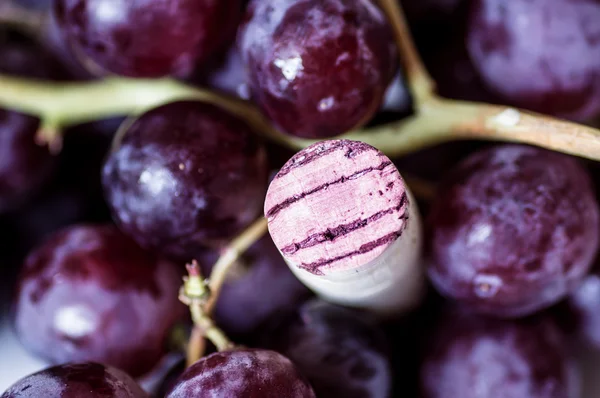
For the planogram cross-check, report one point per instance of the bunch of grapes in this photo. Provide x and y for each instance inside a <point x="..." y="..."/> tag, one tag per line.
<point x="268" y="198"/>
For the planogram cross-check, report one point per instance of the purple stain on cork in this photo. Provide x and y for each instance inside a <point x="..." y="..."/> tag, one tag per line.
<point x="336" y="206"/>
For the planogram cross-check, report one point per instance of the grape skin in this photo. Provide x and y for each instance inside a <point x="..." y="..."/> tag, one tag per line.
<point x="318" y="68"/>
<point x="244" y="373"/>
<point x="513" y="230"/>
<point x="83" y="380"/>
<point x="185" y="175"/>
<point x="472" y="357"/>
<point x="141" y="38"/>
<point x="538" y="54"/>
<point x="342" y="353"/>
<point x="89" y="293"/>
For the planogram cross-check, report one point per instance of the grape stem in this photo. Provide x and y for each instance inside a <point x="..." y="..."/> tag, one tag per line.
<point x="229" y="256"/>
<point x="438" y="120"/>
<point x="201" y="294"/>
<point x="194" y="294"/>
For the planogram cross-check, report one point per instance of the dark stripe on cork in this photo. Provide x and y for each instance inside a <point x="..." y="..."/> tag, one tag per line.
<point x="353" y="148"/>
<point x="330" y="234"/>
<point x="291" y="200"/>
<point x="314" y="267"/>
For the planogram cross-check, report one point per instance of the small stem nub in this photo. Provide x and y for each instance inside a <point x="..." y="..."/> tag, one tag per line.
<point x="195" y="293"/>
<point x="194" y="287"/>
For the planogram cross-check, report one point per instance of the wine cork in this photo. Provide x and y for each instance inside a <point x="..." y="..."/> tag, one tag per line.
<point x="348" y="227"/>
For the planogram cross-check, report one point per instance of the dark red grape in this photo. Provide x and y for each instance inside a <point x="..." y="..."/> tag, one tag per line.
<point x="83" y="380"/>
<point x="261" y="285"/>
<point x="540" y="55"/>
<point x="91" y="294"/>
<point x="473" y="357"/>
<point x="185" y="174"/>
<point x="583" y="310"/>
<point x="24" y="165"/>
<point x="513" y="230"/>
<point x="341" y="352"/>
<point x="141" y="38"/>
<point x="246" y="373"/>
<point x="318" y="68"/>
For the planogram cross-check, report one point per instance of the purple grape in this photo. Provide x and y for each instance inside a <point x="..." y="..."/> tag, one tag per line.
<point x="318" y="68"/>
<point x="341" y="352"/>
<point x="513" y="230"/>
<point x="186" y="174"/>
<point x="91" y="294"/>
<point x="84" y="380"/>
<point x="259" y="287"/>
<point x="541" y="55"/>
<point x="141" y="38"/>
<point x="473" y="357"/>
<point x="25" y="166"/>
<point x="244" y="373"/>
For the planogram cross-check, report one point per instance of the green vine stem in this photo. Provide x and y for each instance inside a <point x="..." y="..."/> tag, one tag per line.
<point x="438" y="120"/>
<point x="201" y="294"/>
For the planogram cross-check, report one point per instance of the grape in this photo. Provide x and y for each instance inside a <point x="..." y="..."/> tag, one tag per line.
<point x="342" y="353"/>
<point x="82" y="380"/>
<point x="513" y="230"/>
<point x="541" y="55"/>
<point x="246" y="373"/>
<point x="260" y="286"/>
<point x="24" y="165"/>
<point x="318" y="68"/>
<point x="142" y="38"/>
<point x="185" y="175"/>
<point x="91" y="294"/>
<point x="473" y="357"/>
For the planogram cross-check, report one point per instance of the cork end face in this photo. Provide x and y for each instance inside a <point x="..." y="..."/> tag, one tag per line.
<point x="336" y="206"/>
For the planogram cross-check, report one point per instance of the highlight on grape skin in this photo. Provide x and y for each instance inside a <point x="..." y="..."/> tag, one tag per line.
<point x="513" y="230"/>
